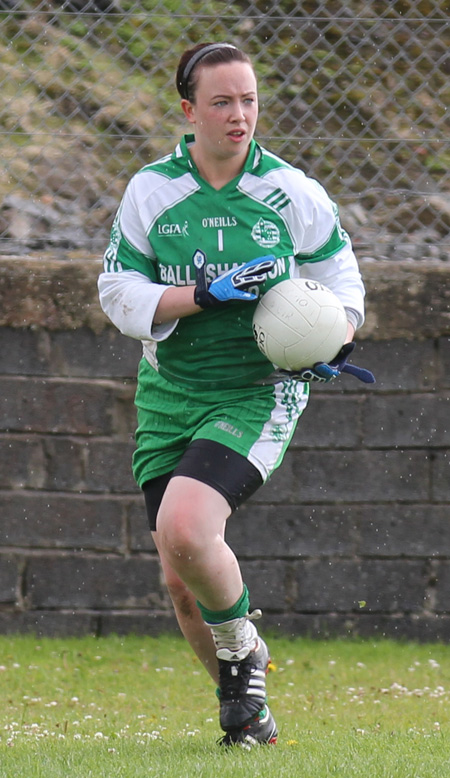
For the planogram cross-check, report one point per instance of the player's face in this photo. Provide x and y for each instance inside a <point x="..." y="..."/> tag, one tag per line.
<point x="225" y="111"/>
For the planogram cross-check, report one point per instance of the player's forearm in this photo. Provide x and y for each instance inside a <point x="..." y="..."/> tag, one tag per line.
<point x="175" y="303"/>
<point x="130" y="299"/>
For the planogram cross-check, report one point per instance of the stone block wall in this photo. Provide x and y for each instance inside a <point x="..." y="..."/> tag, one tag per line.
<point x="351" y="535"/>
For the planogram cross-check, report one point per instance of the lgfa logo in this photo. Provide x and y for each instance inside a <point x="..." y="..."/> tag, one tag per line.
<point x="174" y="230"/>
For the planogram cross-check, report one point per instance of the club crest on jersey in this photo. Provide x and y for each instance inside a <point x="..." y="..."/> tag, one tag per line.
<point x="265" y="233"/>
<point x="174" y="229"/>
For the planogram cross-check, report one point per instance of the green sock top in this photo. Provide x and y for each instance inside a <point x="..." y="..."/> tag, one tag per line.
<point x="237" y="611"/>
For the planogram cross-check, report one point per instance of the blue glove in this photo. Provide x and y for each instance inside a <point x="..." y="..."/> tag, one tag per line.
<point x="231" y="285"/>
<point x="323" y="372"/>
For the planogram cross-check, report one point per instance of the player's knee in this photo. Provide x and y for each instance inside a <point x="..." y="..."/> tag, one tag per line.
<point x="178" y="535"/>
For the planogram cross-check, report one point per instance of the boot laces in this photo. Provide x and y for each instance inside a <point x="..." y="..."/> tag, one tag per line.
<point x="238" y="633"/>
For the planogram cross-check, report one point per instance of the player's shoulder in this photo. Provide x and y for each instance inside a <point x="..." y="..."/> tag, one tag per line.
<point x="166" y="172"/>
<point x="170" y="166"/>
<point x="270" y="164"/>
<point x="266" y="161"/>
<point x="164" y="168"/>
<point x="293" y="180"/>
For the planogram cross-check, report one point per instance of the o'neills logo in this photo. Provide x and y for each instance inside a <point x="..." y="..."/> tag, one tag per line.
<point x="174" y="229"/>
<point x="219" y="221"/>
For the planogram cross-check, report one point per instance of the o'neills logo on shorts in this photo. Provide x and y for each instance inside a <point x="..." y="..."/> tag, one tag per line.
<point x="223" y="425"/>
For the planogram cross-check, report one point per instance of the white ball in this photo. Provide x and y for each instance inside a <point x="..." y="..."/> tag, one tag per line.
<point x="299" y="322"/>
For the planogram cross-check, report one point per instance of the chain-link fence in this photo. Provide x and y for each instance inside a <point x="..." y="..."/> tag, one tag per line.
<point x="354" y="92"/>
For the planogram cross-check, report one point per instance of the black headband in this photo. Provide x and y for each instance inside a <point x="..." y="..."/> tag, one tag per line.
<point x="196" y="58"/>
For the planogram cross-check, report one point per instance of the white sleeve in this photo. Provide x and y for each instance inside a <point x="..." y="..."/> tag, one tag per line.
<point x="313" y="220"/>
<point x="130" y="300"/>
<point x="341" y="274"/>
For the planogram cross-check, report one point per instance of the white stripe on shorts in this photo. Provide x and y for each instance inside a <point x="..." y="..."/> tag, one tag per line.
<point x="291" y="398"/>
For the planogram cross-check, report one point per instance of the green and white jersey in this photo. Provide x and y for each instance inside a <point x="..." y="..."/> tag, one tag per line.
<point x="168" y="211"/>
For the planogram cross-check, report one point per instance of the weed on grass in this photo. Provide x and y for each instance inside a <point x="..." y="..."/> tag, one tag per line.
<point x="141" y="706"/>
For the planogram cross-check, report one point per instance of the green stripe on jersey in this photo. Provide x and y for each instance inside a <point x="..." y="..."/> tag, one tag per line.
<point x="334" y="244"/>
<point x="277" y="199"/>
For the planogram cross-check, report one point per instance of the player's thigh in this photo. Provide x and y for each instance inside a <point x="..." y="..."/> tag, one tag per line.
<point x="191" y="514"/>
<point x="212" y="463"/>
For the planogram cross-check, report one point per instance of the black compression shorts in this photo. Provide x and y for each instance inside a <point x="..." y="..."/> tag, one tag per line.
<point x="228" y="472"/>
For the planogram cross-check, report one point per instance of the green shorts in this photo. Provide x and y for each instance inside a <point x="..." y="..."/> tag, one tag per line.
<point x="257" y="421"/>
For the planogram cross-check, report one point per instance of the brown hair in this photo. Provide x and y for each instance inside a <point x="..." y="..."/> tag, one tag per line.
<point x="208" y="54"/>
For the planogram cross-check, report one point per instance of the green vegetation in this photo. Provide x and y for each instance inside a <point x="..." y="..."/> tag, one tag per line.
<point x="105" y="82"/>
<point x="354" y="93"/>
<point x="139" y="706"/>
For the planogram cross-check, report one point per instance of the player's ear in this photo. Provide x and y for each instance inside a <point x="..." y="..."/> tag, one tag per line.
<point x="188" y="110"/>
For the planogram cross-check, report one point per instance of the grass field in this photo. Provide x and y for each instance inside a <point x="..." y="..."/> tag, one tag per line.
<point x="135" y="706"/>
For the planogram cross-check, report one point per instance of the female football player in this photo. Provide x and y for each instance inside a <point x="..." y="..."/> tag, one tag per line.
<point x="198" y="236"/>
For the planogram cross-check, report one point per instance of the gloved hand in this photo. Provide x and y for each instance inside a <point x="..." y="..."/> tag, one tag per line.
<point x="323" y="372"/>
<point x="231" y="285"/>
